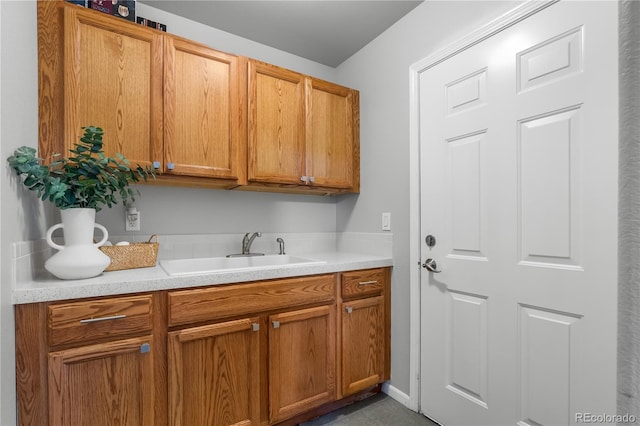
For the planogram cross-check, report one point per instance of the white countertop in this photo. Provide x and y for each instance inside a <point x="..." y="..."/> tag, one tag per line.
<point x="150" y="279"/>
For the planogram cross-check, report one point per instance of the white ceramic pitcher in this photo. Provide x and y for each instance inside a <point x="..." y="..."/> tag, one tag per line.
<point x="79" y="257"/>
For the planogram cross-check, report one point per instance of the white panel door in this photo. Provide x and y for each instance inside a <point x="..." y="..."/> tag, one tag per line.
<point x="518" y="142"/>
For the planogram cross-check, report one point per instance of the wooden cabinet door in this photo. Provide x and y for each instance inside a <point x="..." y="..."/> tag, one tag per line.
<point x="332" y="135"/>
<point x="276" y="147"/>
<point x="103" y="385"/>
<point x="113" y="79"/>
<point x="363" y="347"/>
<point x="214" y="374"/>
<point x="302" y="351"/>
<point x="204" y="116"/>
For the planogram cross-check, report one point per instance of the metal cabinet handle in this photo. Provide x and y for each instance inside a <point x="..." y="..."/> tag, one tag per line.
<point x="255" y="326"/>
<point x="348" y="309"/>
<point x="276" y="324"/>
<point x="109" y="318"/>
<point x="372" y="282"/>
<point x="431" y="265"/>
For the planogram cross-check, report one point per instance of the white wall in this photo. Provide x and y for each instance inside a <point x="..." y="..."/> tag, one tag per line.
<point x="381" y="72"/>
<point x="20" y="218"/>
<point x="629" y="210"/>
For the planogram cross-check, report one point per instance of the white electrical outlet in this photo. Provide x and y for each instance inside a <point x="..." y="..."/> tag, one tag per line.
<point x="386" y="221"/>
<point x="132" y="219"/>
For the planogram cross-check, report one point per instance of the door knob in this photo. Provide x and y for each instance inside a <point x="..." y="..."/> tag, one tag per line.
<point x="431" y="265"/>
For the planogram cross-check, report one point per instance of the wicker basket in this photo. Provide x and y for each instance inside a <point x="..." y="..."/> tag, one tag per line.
<point x="137" y="255"/>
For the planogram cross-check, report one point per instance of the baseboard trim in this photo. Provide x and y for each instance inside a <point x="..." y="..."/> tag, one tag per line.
<point x="397" y="394"/>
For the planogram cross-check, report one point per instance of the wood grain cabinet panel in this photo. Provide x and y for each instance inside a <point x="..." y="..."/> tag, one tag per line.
<point x="203" y="121"/>
<point x="89" y="320"/>
<point x="303" y="132"/>
<point x="214" y="374"/>
<point x="365" y="329"/>
<point x="276" y="146"/>
<point x="363" y="348"/>
<point x="103" y="385"/>
<point x="302" y="366"/>
<point x="332" y="135"/>
<point x="197" y="305"/>
<point x="112" y="79"/>
<point x="163" y="101"/>
<point x="363" y="283"/>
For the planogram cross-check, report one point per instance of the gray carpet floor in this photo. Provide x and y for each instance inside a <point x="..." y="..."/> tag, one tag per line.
<point x="378" y="410"/>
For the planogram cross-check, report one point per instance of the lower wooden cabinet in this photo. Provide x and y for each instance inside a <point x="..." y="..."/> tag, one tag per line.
<point x="365" y="334"/>
<point x="183" y="358"/>
<point x="103" y="385"/>
<point x="214" y="374"/>
<point x="362" y="344"/>
<point x="302" y="361"/>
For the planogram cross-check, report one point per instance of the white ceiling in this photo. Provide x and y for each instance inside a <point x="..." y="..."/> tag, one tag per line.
<point x="326" y="31"/>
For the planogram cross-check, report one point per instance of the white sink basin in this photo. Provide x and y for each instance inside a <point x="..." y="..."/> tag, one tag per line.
<point x="212" y="265"/>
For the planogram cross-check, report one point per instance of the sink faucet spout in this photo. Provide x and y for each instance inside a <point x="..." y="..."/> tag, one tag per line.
<point x="247" y="240"/>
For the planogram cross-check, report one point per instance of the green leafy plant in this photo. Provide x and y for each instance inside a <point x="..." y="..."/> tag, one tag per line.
<point x="87" y="178"/>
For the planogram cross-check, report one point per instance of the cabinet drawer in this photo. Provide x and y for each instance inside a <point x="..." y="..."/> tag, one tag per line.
<point x="363" y="283"/>
<point x="198" y="305"/>
<point x="97" y="319"/>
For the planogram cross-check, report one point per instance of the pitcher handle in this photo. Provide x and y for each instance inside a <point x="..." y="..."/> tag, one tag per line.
<point x="105" y="235"/>
<point x="50" y="232"/>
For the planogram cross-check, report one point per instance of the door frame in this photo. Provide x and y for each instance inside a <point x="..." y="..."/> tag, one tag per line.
<point x="492" y="28"/>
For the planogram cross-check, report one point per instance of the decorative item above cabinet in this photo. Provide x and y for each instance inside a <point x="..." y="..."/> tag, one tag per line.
<point x="199" y="116"/>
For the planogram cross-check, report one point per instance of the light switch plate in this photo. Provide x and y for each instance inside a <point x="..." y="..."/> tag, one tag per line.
<point x="386" y="221"/>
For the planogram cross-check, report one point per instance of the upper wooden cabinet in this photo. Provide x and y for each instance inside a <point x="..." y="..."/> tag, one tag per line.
<point x="302" y="131"/>
<point x="276" y="125"/>
<point x="204" y="127"/>
<point x="200" y="116"/>
<point x="112" y="79"/>
<point x="333" y="135"/>
<point x="162" y="101"/>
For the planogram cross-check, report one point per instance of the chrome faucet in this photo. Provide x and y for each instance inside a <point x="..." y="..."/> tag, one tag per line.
<point x="247" y="240"/>
<point x="280" y="241"/>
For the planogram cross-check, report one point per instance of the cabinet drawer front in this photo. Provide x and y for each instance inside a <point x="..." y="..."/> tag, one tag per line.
<point x="362" y="283"/>
<point x="198" y="305"/>
<point x="97" y="319"/>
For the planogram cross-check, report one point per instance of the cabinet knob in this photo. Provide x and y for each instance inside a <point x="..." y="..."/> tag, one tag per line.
<point x="144" y="348"/>
<point x="170" y="166"/>
<point x="312" y="179"/>
<point x="348" y="309"/>
<point x="304" y="178"/>
<point x="276" y="324"/>
<point x="255" y="326"/>
<point x="156" y="164"/>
